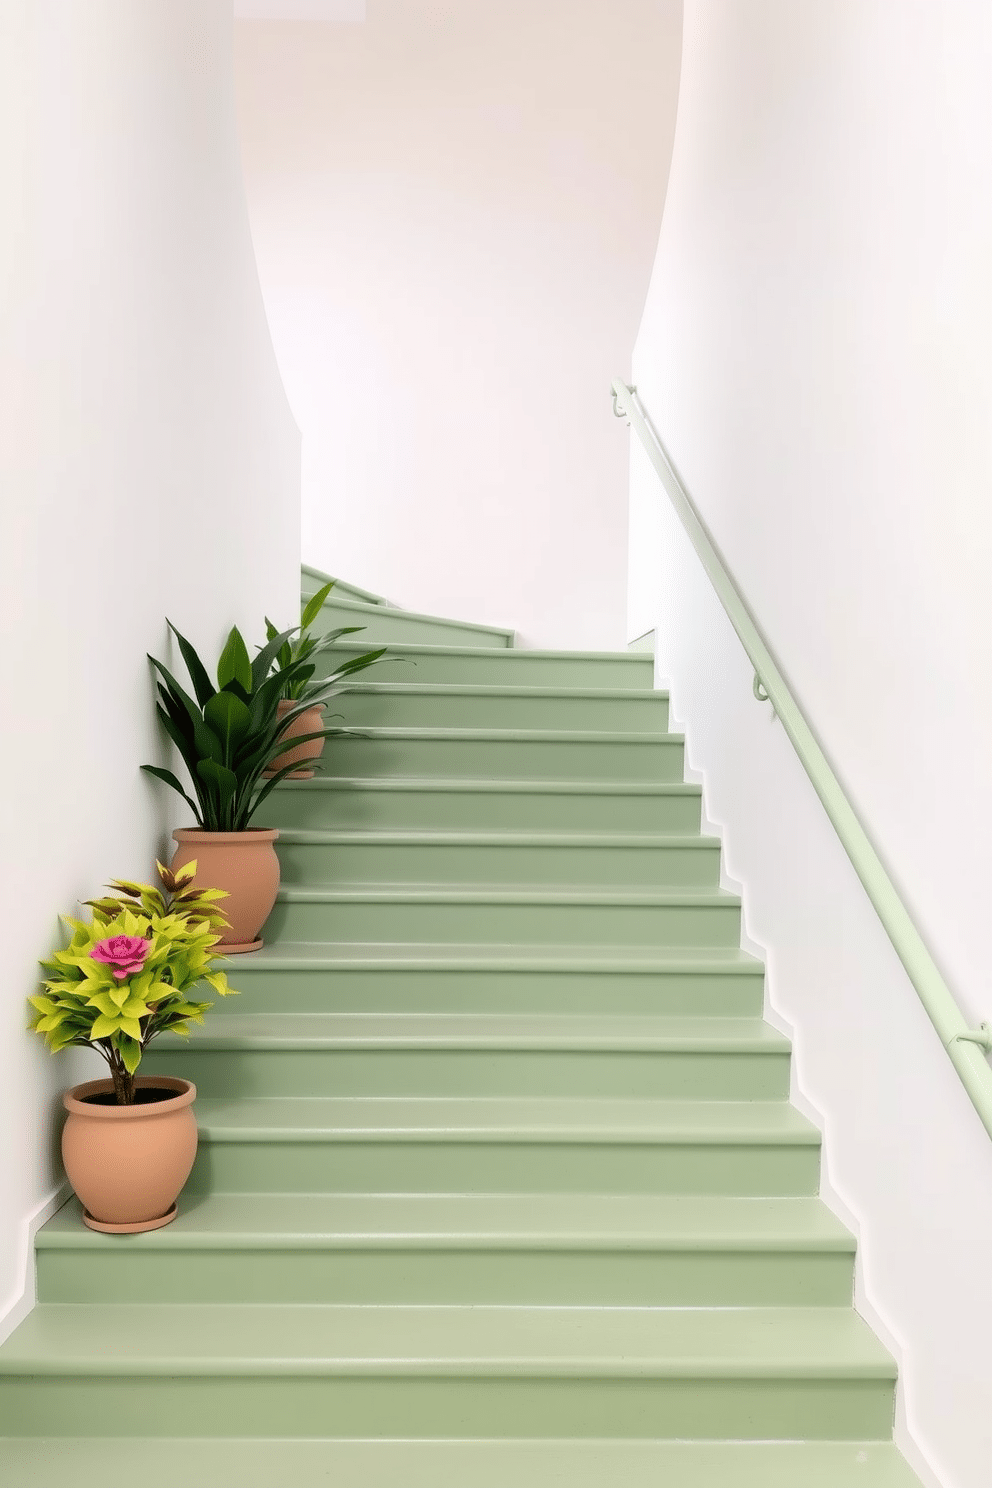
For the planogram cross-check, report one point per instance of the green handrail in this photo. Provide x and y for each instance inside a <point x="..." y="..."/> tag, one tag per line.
<point x="965" y="1046"/>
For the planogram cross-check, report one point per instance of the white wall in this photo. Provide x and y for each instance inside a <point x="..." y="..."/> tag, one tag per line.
<point x="455" y="207"/>
<point x="149" y="465"/>
<point x="817" y="353"/>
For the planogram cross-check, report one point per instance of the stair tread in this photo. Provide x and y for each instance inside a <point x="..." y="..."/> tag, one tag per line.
<point x="505" y="689"/>
<point x="341" y="586"/>
<point x="329" y="1338"/>
<point x="526" y="653"/>
<point x="288" y="955"/>
<point x="488" y="1031"/>
<point x="591" y="1463"/>
<point x="526" y="735"/>
<point x="466" y="785"/>
<point x="407" y="893"/>
<point x="601" y="1120"/>
<point x="379" y="610"/>
<point x="342" y="837"/>
<point x="567" y="1221"/>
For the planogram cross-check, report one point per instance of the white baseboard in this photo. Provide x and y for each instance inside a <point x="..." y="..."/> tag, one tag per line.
<point x="22" y="1303"/>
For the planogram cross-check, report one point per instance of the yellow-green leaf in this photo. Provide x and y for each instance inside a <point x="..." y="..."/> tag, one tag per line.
<point x="130" y="1052"/>
<point x="103" y="1027"/>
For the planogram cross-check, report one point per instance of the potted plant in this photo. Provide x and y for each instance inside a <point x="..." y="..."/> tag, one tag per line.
<point x="300" y="688"/>
<point x="129" y="1141"/>
<point x="228" y="736"/>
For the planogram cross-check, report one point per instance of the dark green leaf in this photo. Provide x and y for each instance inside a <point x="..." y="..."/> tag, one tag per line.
<point x="177" y="694"/>
<point x="202" y="685"/>
<point x="357" y="663"/>
<point x="234" y="689"/>
<point x="280" y="745"/>
<point x="185" y="744"/>
<point x="262" y="664"/>
<point x="220" y="777"/>
<point x="170" y="779"/>
<point x="208" y="745"/>
<point x="229" y="719"/>
<point x="314" y="605"/>
<point x="269" y="786"/>
<point x="235" y="663"/>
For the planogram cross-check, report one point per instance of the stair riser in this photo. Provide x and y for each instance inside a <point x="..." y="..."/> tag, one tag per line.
<point x="449" y="1166"/>
<point x="381" y="625"/>
<point x="414" y="1274"/>
<point x="659" y="760"/>
<point x="641" y="712"/>
<point x="300" y="1405"/>
<point x="390" y="809"/>
<point x="500" y="666"/>
<point x="398" y="1072"/>
<point x="695" y="867"/>
<point x="521" y="924"/>
<point x="445" y="991"/>
<point x="482" y="1463"/>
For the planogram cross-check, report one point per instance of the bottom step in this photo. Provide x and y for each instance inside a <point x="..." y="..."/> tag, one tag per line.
<point x="714" y="1374"/>
<point x="92" y="1462"/>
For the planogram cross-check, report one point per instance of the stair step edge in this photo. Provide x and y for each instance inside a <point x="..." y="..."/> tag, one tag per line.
<point x="348" y="837"/>
<point x="465" y="785"/>
<point x="499" y="894"/>
<point x="246" y="1462"/>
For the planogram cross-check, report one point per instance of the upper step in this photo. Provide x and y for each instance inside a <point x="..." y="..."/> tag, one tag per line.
<point x="477" y="665"/>
<point x="508" y="754"/>
<point x="397" y="1054"/>
<point x="416" y="704"/>
<point x="312" y="580"/>
<point x="249" y="1462"/>
<point x="637" y="860"/>
<point x="448" y="978"/>
<point x="380" y="624"/>
<point x="557" y="916"/>
<point x="404" y="804"/>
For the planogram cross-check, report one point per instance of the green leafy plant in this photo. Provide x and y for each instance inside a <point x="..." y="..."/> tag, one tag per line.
<point x="125" y="977"/>
<point x="229" y="735"/>
<point x="296" y="661"/>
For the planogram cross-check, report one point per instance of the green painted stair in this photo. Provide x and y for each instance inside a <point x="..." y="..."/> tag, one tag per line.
<point x="498" y="1178"/>
<point x="313" y="579"/>
<point x="381" y="623"/>
<point x="495" y="1463"/>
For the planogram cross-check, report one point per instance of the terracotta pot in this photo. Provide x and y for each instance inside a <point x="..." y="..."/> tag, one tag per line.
<point x="308" y="722"/>
<point x="128" y="1163"/>
<point x="245" y="865"/>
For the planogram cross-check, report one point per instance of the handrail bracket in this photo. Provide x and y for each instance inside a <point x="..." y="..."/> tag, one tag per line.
<point x="620" y="413"/>
<point x="982" y="1035"/>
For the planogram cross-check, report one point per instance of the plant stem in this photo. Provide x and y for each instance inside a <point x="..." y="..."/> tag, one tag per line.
<point x="123" y="1080"/>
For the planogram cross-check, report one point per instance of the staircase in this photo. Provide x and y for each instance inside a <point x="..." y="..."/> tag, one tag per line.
<point x="498" y="1180"/>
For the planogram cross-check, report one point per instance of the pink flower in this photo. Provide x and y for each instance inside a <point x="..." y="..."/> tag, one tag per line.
<point x="126" y="954"/>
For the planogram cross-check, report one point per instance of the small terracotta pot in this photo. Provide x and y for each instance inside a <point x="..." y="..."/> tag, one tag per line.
<point x="128" y="1163"/>
<point x="245" y="865"/>
<point x="308" y="722"/>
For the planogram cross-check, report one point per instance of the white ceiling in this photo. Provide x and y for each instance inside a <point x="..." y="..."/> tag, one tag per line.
<point x="300" y="10"/>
